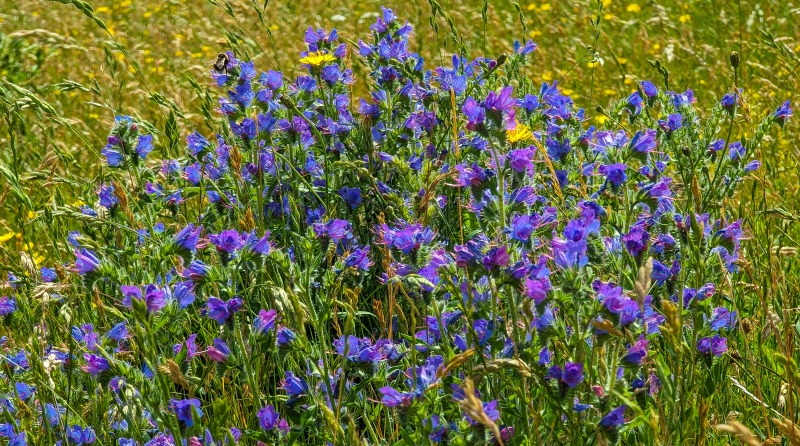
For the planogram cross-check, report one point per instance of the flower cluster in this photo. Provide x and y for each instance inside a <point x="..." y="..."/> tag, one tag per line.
<point x="458" y="257"/>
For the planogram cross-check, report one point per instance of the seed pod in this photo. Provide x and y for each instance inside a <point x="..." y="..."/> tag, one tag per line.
<point x="734" y="59"/>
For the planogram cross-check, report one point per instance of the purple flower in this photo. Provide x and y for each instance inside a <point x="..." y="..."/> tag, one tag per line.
<point x="573" y="374"/>
<point x="495" y="258"/>
<point x="227" y="241"/>
<point x="521" y="228"/>
<point x="218" y="351"/>
<point x="7" y="305"/>
<point x="106" y="195"/>
<point x="186" y="409"/>
<point x="265" y="321"/>
<point x="153" y="297"/>
<point x="197" y="144"/>
<point x="406" y="237"/>
<point x="80" y="436"/>
<point x="636" y="240"/>
<point x="95" y="364"/>
<point x="351" y="196"/>
<point x="521" y="159"/>
<point x="393" y="398"/>
<point x="86" y="261"/>
<point x="144" y="145"/>
<point x="337" y="230"/>
<point x="220" y="310"/>
<point x="183" y="292"/>
<point x="736" y="150"/>
<point x="782" y="113"/>
<point x="537" y="289"/>
<point x="715" y="345"/>
<point x="196" y="271"/>
<point x="728" y="101"/>
<point x="722" y="318"/>
<point x="359" y="258"/>
<point x="293" y="385"/>
<point x="752" y="165"/>
<point x="187" y="238"/>
<point x="118" y="332"/>
<point x="634" y="103"/>
<point x="649" y="89"/>
<point x="268" y="418"/>
<point x="557" y="150"/>
<point x="614" y="418"/>
<point x="636" y="352"/>
<point x="644" y="142"/>
<point x="285" y="336"/>
<point x="615" y="174"/>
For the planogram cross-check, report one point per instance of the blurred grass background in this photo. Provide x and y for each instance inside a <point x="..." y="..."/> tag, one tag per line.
<point x="70" y="77"/>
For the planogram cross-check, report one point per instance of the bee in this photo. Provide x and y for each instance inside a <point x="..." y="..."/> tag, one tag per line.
<point x="221" y="64"/>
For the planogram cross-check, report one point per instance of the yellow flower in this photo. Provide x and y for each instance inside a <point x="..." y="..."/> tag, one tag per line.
<point x="684" y="18"/>
<point x="7" y="236"/>
<point x="317" y="59"/>
<point x="519" y="133"/>
<point x="31" y="215"/>
<point x="102" y="9"/>
<point x="593" y="64"/>
<point x="606" y="3"/>
<point x="622" y="60"/>
<point x="601" y="119"/>
<point x="547" y="76"/>
<point x="633" y="7"/>
<point x="544" y="7"/>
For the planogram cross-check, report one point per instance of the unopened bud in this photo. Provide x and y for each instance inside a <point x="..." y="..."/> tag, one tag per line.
<point x="734" y="59"/>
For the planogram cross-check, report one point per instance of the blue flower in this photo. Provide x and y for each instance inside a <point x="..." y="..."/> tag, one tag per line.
<point x="186" y="410"/>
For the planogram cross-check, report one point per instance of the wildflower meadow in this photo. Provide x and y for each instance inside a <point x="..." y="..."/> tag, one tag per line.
<point x="379" y="242"/>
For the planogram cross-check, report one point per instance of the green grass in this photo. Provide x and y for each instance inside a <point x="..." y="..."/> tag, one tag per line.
<point x="73" y="77"/>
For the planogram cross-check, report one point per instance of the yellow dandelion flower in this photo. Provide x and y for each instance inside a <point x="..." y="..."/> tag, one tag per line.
<point x="31" y="215"/>
<point x="608" y="16"/>
<point x="317" y="59"/>
<point x="519" y="133"/>
<point x="531" y="7"/>
<point x="633" y="7"/>
<point x="600" y="119"/>
<point x="606" y="3"/>
<point x="547" y="76"/>
<point x="544" y="7"/>
<point x="684" y="18"/>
